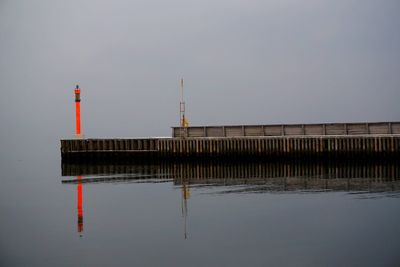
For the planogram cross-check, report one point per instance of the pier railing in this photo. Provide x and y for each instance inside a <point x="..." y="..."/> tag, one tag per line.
<point x="376" y="128"/>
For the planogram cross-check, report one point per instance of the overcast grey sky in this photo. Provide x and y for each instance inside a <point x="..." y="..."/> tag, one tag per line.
<point x="244" y="62"/>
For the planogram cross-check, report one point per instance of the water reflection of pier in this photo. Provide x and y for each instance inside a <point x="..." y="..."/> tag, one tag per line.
<point x="238" y="177"/>
<point x="273" y="176"/>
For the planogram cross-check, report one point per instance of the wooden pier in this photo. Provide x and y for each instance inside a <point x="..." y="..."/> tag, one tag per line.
<point x="379" y="140"/>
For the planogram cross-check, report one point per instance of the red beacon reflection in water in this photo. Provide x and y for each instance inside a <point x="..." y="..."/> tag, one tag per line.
<point x="80" y="206"/>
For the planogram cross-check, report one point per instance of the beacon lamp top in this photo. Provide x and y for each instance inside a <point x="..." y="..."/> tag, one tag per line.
<point x="77" y="94"/>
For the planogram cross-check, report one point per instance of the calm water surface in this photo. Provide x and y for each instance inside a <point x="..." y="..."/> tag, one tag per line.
<point x="199" y="214"/>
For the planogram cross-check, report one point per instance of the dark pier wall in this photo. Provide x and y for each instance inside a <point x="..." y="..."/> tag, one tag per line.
<point x="321" y="146"/>
<point x="281" y="146"/>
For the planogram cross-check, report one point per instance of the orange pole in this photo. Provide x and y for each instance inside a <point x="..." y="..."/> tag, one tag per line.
<point x="80" y="206"/>
<point x="78" y="118"/>
<point x="77" y="111"/>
